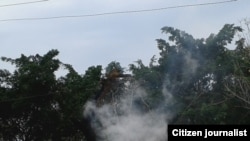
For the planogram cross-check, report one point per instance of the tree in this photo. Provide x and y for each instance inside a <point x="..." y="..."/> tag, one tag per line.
<point x="238" y="84"/>
<point x="112" y="84"/>
<point x="29" y="97"/>
<point x="35" y="105"/>
<point x="194" y="72"/>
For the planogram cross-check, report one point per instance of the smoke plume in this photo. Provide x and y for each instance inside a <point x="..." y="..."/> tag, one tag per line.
<point x="123" y="120"/>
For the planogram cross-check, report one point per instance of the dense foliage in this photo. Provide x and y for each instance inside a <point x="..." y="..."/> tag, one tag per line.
<point x="205" y="81"/>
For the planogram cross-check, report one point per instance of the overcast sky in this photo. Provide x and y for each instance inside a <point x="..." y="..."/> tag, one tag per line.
<point x="98" y="40"/>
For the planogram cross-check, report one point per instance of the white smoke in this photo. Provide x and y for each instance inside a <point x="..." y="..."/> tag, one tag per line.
<point x="191" y="64"/>
<point x="123" y="121"/>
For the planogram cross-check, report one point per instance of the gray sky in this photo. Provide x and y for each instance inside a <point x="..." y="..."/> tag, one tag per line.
<point x="125" y="38"/>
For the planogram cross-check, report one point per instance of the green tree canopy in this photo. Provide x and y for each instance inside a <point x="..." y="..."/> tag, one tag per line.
<point x="202" y="75"/>
<point x="35" y="105"/>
